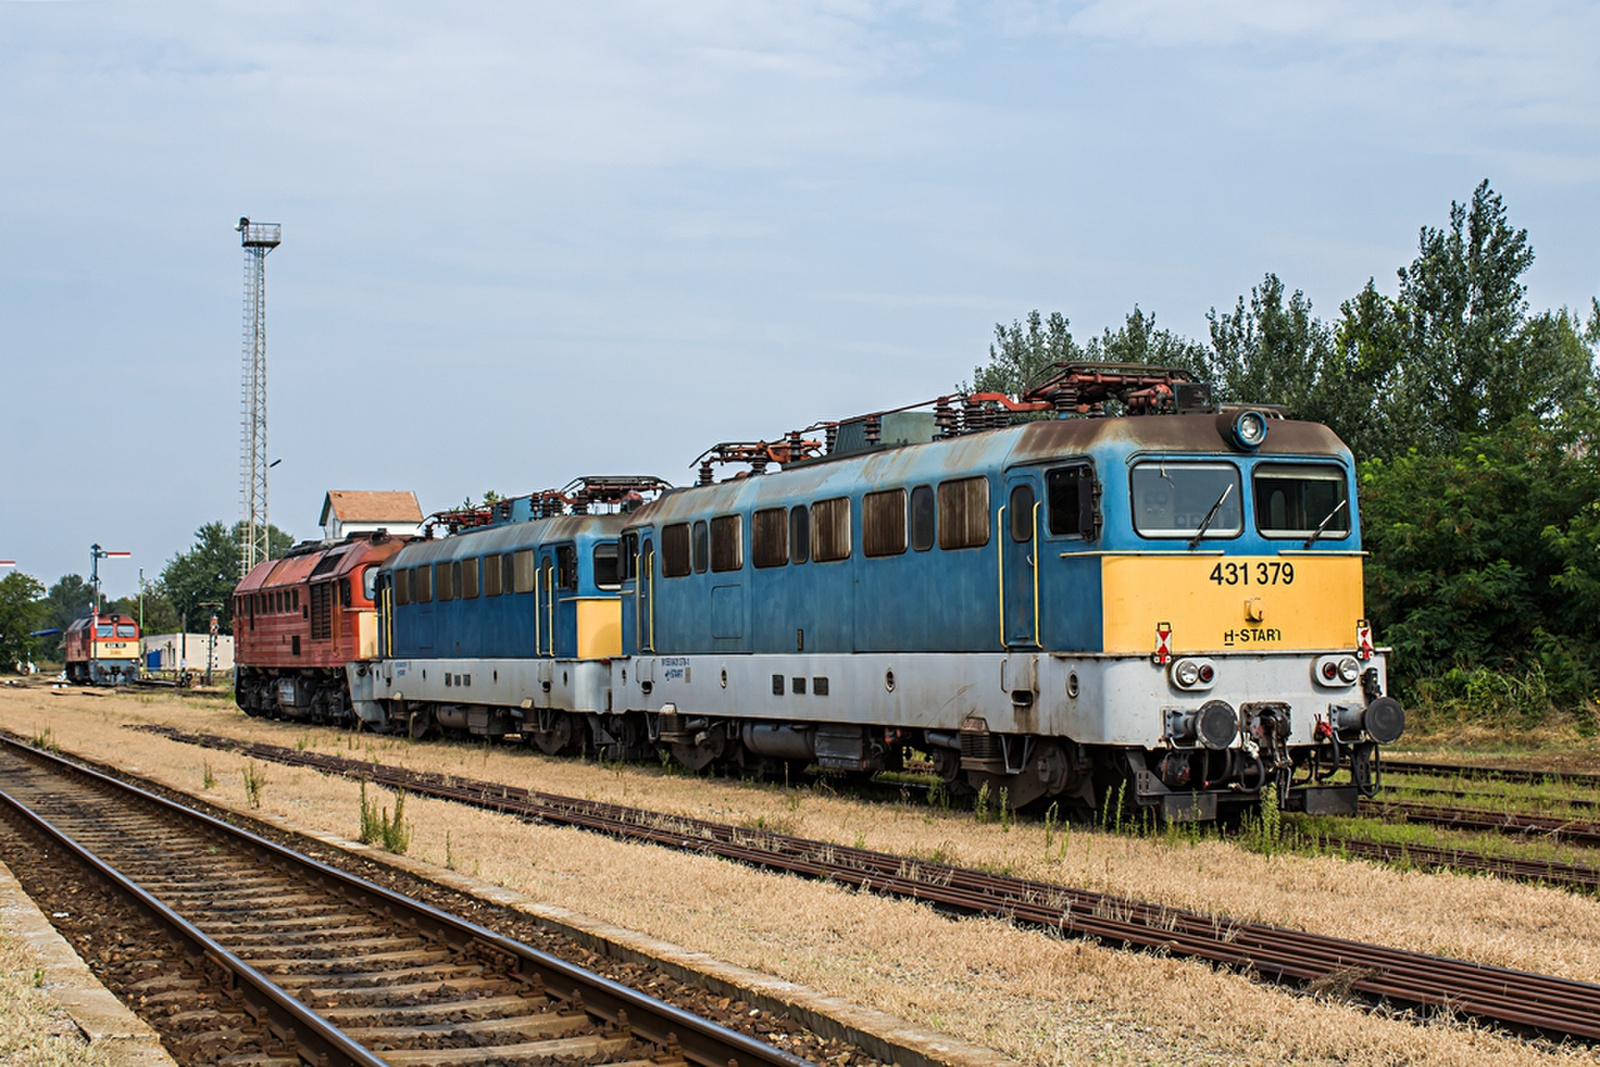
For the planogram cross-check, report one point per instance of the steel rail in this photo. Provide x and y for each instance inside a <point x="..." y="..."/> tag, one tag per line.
<point x="314" y="1039"/>
<point x="1573" y="830"/>
<point x="1509" y="774"/>
<point x="699" y="1040"/>
<point x="1549" y="1004"/>
<point x="1540" y="872"/>
<point x="1579" y="803"/>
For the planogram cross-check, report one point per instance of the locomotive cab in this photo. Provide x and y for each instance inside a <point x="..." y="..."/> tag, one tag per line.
<point x="1233" y="655"/>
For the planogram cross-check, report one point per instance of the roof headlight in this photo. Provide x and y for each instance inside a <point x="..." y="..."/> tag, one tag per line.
<point x="1250" y="429"/>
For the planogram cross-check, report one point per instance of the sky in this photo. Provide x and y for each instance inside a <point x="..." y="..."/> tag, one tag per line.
<point x="524" y="242"/>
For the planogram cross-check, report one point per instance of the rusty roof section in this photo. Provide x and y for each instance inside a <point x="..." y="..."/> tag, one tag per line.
<point x="371" y="505"/>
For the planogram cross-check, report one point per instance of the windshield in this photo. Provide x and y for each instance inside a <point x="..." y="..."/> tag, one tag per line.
<point x="125" y="629"/>
<point x="1172" y="499"/>
<point x="1293" y="501"/>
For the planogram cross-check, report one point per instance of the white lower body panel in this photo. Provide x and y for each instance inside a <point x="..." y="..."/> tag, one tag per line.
<point x="1095" y="700"/>
<point x="522" y="684"/>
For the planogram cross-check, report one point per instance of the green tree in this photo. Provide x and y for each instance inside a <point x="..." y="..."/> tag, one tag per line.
<point x="1455" y="354"/>
<point x="68" y="599"/>
<point x="22" y="611"/>
<point x="1487" y="555"/>
<point x="209" y="571"/>
<point x="1276" y="351"/>
<point x="1020" y="355"/>
<point x="1474" y="361"/>
<point x="1139" y="340"/>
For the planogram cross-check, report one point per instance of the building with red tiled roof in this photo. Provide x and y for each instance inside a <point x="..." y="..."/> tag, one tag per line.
<point x="354" y="511"/>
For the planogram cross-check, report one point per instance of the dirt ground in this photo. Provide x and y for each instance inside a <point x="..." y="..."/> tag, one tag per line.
<point x="1037" y="999"/>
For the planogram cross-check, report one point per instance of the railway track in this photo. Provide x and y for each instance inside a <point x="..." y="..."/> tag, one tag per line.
<point x="1523" y="1000"/>
<point x="1539" y="872"/>
<point x="1576" y="803"/>
<point x="1556" y="828"/>
<point x="1506" y="774"/>
<point x="287" y="960"/>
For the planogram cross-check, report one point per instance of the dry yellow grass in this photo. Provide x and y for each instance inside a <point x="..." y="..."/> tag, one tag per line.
<point x="1034" y="998"/>
<point x="34" y="1030"/>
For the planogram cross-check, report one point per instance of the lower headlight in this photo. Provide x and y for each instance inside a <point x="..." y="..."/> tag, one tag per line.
<point x="1193" y="674"/>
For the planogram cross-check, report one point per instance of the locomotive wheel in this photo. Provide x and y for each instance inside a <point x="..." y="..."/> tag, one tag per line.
<point x="947" y="765"/>
<point x="708" y="747"/>
<point x="419" y="724"/>
<point x="557" y="740"/>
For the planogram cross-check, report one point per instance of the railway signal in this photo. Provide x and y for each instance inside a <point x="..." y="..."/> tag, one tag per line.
<point x="96" y="554"/>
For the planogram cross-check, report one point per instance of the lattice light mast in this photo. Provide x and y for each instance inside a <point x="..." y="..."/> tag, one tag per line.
<point x="258" y="238"/>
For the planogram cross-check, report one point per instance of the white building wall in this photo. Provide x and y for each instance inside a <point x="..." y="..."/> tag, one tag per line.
<point x="189" y="649"/>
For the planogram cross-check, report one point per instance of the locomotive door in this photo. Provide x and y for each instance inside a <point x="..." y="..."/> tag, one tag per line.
<point x="544" y="584"/>
<point x="1017" y="531"/>
<point x="644" y="620"/>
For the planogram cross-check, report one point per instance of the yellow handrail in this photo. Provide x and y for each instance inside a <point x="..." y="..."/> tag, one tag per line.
<point x="550" y="606"/>
<point x="638" y="578"/>
<point x="650" y="561"/>
<point x="1000" y="556"/>
<point x="1036" y="642"/>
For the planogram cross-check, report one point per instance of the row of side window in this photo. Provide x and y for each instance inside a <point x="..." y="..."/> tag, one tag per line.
<point x="501" y="575"/>
<point x="324" y="596"/>
<point x="277" y="602"/>
<point x="957" y="516"/>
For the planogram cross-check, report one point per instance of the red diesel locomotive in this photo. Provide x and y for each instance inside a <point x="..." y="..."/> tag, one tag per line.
<point x="298" y="620"/>
<point x="102" y="650"/>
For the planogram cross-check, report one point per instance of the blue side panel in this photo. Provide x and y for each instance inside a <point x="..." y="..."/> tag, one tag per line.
<point x="933" y="601"/>
<point x="513" y="624"/>
<point x="1073" y="606"/>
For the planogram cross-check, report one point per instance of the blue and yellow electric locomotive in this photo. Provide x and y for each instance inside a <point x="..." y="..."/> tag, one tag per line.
<point x="1164" y="605"/>
<point x="506" y="627"/>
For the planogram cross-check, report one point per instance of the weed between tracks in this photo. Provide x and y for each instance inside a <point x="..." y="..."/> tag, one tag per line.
<point x="255" y="780"/>
<point x="393" y="833"/>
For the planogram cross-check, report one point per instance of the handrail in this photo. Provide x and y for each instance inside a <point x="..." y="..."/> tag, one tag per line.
<point x="650" y="559"/>
<point x="1036" y="642"/>
<point x="550" y="606"/>
<point x="1000" y="557"/>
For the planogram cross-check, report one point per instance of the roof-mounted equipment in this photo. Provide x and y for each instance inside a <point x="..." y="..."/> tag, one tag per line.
<point x="758" y="454"/>
<point x="603" y="492"/>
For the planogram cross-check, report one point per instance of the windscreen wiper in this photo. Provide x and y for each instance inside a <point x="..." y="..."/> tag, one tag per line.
<point x="1211" y="515"/>
<point x="1323" y="525"/>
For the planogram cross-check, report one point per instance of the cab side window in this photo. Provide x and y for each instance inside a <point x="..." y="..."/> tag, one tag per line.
<point x="1070" y="501"/>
